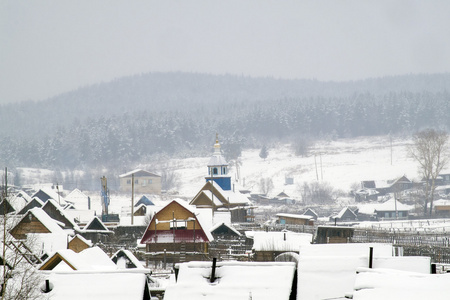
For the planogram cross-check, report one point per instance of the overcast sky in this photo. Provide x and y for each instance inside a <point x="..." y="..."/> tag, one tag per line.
<point x="50" y="47"/>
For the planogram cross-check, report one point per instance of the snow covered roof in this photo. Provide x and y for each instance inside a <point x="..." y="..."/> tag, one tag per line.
<point x="137" y="221"/>
<point x="441" y="202"/>
<point x="391" y="205"/>
<point x="138" y="172"/>
<point x="89" y="259"/>
<point x="294" y="216"/>
<point x="342" y="212"/>
<point x="99" y="286"/>
<point x="80" y="237"/>
<point x="95" y="225"/>
<point x="126" y="254"/>
<point x="280" y="241"/>
<point x="235" y="280"/>
<point x="52" y="225"/>
<point x="229" y="226"/>
<point x="63" y="216"/>
<point x="81" y="215"/>
<point x="19" y="200"/>
<point x="51" y="193"/>
<point x="78" y="198"/>
<point x="202" y="234"/>
<point x="217" y="158"/>
<point x="335" y="265"/>
<point x="388" y="284"/>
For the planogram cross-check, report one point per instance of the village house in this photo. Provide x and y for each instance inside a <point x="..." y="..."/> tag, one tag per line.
<point x="144" y="182"/>
<point x="392" y="210"/>
<point x="345" y="215"/>
<point x="384" y="187"/>
<point x="442" y="208"/>
<point x="175" y="233"/>
<point x="36" y="221"/>
<point x="95" y="230"/>
<point x="78" y="243"/>
<point x="294" y="219"/>
<point x="333" y="234"/>
<point x="34" y="202"/>
<point x="312" y="213"/>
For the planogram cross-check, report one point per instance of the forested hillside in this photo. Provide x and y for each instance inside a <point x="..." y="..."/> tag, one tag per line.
<point x="122" y="123"/>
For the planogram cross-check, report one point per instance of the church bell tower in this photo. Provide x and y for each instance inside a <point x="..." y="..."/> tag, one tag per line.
<point x="218" y="168"/>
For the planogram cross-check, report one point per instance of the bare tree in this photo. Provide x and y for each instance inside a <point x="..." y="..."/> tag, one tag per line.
<point x="318" y="193"/>
<point x="266" y="185"/>
<point x="430" y="150"/>
<point x="20" y="278"/>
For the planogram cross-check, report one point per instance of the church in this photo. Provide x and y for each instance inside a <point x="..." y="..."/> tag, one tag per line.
<point x="219" y="194"/>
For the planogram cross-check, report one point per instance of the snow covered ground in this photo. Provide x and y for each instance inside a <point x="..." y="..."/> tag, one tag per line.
<point x="341" y="163"/>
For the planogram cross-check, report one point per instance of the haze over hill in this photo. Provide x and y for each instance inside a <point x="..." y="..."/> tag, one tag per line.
<point x="134" y="120"/>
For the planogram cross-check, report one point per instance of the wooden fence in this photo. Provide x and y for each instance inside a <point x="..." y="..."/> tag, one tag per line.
<point x="434" y="245"/>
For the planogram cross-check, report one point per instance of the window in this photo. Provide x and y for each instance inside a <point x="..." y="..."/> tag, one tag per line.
<point x="150" y="181"/>
<point x="129" y="181"/>
<point x="215" y="171"/>
<point x="136" y="181"/>
<point x="178" y="224"/>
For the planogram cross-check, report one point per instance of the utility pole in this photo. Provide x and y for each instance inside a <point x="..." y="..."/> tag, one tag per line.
<point x="132" y="198"/>
<point x="315" y="162"/>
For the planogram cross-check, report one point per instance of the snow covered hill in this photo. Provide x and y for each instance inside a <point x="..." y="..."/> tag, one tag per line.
<point x="340" y="163"/>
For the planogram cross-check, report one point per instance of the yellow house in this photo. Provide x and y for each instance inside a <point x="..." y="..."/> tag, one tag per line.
<point x="144" y="182"/>
<point x="176" y="231"/>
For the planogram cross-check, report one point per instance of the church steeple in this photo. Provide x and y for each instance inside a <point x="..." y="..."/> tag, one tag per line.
<point x="218" y="168"/>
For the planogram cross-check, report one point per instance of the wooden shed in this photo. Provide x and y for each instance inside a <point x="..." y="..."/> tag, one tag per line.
<point x="333" y="234"/>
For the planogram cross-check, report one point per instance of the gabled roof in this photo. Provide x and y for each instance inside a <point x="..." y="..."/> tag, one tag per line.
<point x="19" y="200"/>
<point x="95" y="225"/>
<point x="52" y="208"/>
<point x="226" y="198"/>
<point x="131" y="260"/>
<point x="224" y="226"/>
<point x="75" y="195"/>
<point x="390" y="205"/>
<point x="35" y="202"/>
<point x="180" y="234"/>
<point x="89" y="259"/>
<point x="283" y="195"/>
<point x="52" y="225"/>
<point x="235" y="280"/>
<point x="47" y="193"/>
<point x="144" y="200"/>
<point x="78" y="198"/>
<point x="81" y="238"/>
<point x="311" y="212"/>
<point x="138" y="173"/>
<point x="343" y="211"/>
<point x="6" y="207"/>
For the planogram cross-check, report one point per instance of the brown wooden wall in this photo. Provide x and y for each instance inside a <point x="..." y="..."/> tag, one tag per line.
<point x="28" y="226"/>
